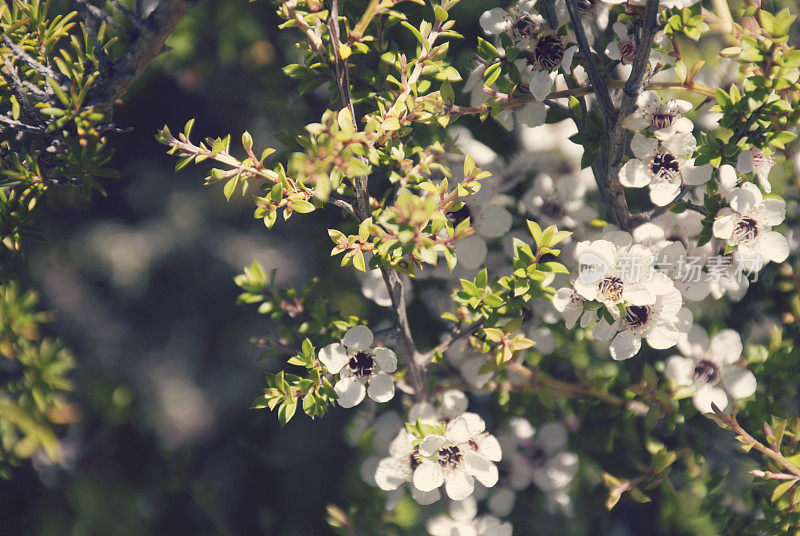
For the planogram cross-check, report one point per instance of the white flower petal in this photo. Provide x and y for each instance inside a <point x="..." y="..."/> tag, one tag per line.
<point x="680" y="370"/>
<point x="552" y="436"/>
<point x="773" y="246"/>
<point x="493" y="221"/>
<point x="391" y="474"/>
<point x="428" y="476"/>
<point x="385" y="358"/>
<point x="634" y="174"/>
<point x="425" y="497"/>
<point x="358" y="338"/>
<point x="471" y="252"/>
<point x="481" y="468"/>
<point x="457" y="431"/>
<point x="643" y="148"/>
<point x="350" y="391"/>
<point x="459" y="486"/>
<point x="738" y="382"/>
<point x="381" y="387"/>
<point x="540" y="85"/>
<point x="707" y="394"/>
<point x="625" y="345"/>
<point x="724" y="224"/>
<point x="532" y="114"/>
<point x="663" y="335"/>
<point x="696" y="175"/>
<point x="334" y="357"/>
<point x="489" y="448"/>
<point x="494" y="21"/>
<point x="663" y="193"/>
<point x="726" y="346"/>
<point x="430" y="445"/>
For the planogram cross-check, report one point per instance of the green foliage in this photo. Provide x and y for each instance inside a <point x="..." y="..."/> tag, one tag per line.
<point x="33" y="381"/>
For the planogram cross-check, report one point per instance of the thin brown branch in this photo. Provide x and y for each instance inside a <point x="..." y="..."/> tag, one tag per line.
<point x="775" y="454"/>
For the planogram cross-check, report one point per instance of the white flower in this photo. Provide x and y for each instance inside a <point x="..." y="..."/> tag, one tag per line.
<point x="519" y="21"/>
<point x="558" y="202"/>
<point x="660" y="324"/>
<point x="465" y="452"/>
<point x="748" y="223"/>
<point x="570" y="304"/>
<point x="725" y="277"/>
<point x="756" y="161"/>
<point x="398" y="468"/>
<point x="363" y="369"/>
<point x="686" y="274"/>
<point x="709" y="369"/>
<point x="489" y="218"/>
<point x="373" y="288"/>
<point x="538" y="457"/>
<point x="545" y="57"/>
<point x="463" y="522"/>
<point x="663" y="166"/>
<point x="624" y="47"/>
<point x="663" y="117"/>
<point x="453" y="404"/>
<point x="613" y="273"/>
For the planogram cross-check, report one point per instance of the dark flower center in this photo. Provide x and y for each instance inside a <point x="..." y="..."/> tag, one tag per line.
<point x="361" y="364"/>
<point x="549" y="52"/>
<point x="460" y="215"/>
<point x="450" y="457"/>
<point x="663" y="119"/>
<point x="611" y="288"/>
<point x="746" y="229"/>
<point x="414" y="460"/>
<point x="665" y="166"/>
<point x="627" y="51"/>
<point x="551" y="209"/>
<point x="636" y="316"/>
<point x="536" y="454"/>
<point x="706" y="372"/>
<point x="522" y="29"/>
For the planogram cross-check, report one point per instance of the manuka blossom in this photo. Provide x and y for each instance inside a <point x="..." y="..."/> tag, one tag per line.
<point x="398" y="469"/>
<point x="489" y="218"/>
<point x="623" y="48"/>
<point x="558" y="201"/>
<point x="613" y="272"/>
<point x="661" y="324"/>
<point x="520" y="21"/>
<point x="464" y="453"/>
<point x="709" y="369"/>
<point x="544" y="57"/>
<point x="463" y="521"/>
<point x="662" y="116"/>
<point x="747" y="224"/>
<point x="362" y="369"/>
<point x="537" y="456"/>
<point x="570" y="304"/>
<point x="453" y="404"/>
<point x="755" y="161"/>
<point x="663" y="166"/>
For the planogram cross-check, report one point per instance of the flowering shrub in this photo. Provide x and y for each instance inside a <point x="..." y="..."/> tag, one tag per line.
<point x="641" y="194"/>
<point x="556" y="261"/>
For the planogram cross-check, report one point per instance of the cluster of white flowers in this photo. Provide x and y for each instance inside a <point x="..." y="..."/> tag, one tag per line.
<point x="543" y="53"/>
<point x="455" y="453"/>
<point x="662" y="162"/>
